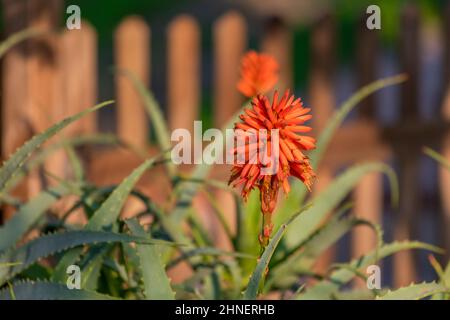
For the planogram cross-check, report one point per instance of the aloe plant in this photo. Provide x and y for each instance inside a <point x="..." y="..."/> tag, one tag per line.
<point x="130" y="260"/>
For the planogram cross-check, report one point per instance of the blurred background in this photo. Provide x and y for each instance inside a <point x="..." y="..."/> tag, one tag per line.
<point x="188" y="53"/>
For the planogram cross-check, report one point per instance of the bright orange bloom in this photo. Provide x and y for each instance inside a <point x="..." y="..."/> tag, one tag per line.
<point x="288" y="116"/>
<point x="259" y="73"/>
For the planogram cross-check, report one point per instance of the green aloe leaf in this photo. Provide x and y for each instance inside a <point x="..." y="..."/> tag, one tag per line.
<point x="24" y="219"/>
<point x="186" y="190"/>
<point x="414" y="291"/>
<point x="76" y="164"/>
<point x="355" y="294"/>
<point x="299" y="191"/>
<point x="42" y="155"/>
<point x="156" y="116"/>
<point x="108" y="213"/>
<point x="339" y="116"/>
<point x="110" y="209"/>
<point x="209" y="251"/>
<point x="156" y="282"/>
<point x="252" y="289"/>
<point x="327" y="288"/>
<point x="48" y="291"/>
<point x="249" y="226"/>
<point x="327" y="200"/>
<point x="92" y="266"/>
<point x="17" y="38"/>
<point x="303" y="258"/>
<point x="50" y="244"/>
<point x="17" y="160"/>
<point x="437" y="156"/>
<point x="447" y="275"/>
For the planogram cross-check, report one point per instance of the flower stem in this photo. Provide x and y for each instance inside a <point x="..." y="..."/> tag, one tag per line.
<point x="264" y="238"/>
<point x="266" y="230"/>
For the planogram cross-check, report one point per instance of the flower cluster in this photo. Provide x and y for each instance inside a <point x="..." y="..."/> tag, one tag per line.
<point x="288" y="116"/>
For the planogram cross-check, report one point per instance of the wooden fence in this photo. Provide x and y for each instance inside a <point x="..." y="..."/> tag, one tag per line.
<point x="55" y="75"/>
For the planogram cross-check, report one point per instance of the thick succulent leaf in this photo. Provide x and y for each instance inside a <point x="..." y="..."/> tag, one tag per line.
<point x="437" y="156"/>
<point x="298" y="192"/>
<point x="24" y="219"/>
<point x="17" y="38"/>
<point x="43" y="154"/>
<point x="186" y="190"/>
<point x="48" y="291"/>
<point x="156" y="116"/>
<point x="327" y="200"/>
<point x="50" y="244"/>
<point x="447" y="275"/>
<point x="236" y="278"/>
<point x="339" y="116"/>
<point x="209" y="251"/>
<point x="156" y="282"/>
<point x="249" y="226"/>
<point x="17" y="160"/>
<point x="355" y="294"/>
<point x="110" y="209"/>
<point x="304" y="257"/>
<point x="92" y="266"/>
<point x="70" y="257"/>
<point x="414" y="291"/>
<point x="322" y="237"/>
<point x="252" y="289"/>
<point x="8" y="264"/>
<point x="325" y="289"/>
<point x="76" y="164"/>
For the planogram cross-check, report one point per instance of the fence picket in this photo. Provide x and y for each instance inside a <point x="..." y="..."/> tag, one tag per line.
<point x="79" y="68"/>
<point x="15" y="129"/>
<point x="277" y="41"/>
<point x="322" y="100"/>
<point x="230" y="43"/>
<point x="444" y="173"/>
<point x="368" y="194"/>
<point x="132" y="53"/>
<point x="183" y="72"/>
<point x="407" y="153"/>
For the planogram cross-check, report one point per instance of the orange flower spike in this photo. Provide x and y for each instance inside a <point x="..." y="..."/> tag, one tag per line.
<point x="288" y="116"/>
<point x="259" y="73"/>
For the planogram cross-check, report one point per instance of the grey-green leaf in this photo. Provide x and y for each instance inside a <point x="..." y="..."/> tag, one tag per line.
<point x="326" y="288"/>
<point x="21" y="222"/>
<point x="437" y="156"/>
<point x="344" y="110"/>
<point x="331" y="197"/>
<point x="299" y="191"/>
<point x="303" y="258"/>
<point x="155" y="114"/>
<point x="17" y="160"/>
<point x="255" y="279"/>
<point x="110" y="209"/>
<point x="156" y="282"/>
<point x="47" y="245"/>
<point x="48" y="291"/>
<point x="17" y="38"/>
<point x="414" y="291"/>
<point x="186" y="190"/>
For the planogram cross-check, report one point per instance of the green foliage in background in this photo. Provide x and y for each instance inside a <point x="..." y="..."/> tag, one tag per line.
<point x="130" y="259"/>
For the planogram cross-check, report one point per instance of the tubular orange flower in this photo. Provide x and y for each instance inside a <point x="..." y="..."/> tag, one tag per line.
<point x="287" y="116"/>
<point x="259" y="73"/>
